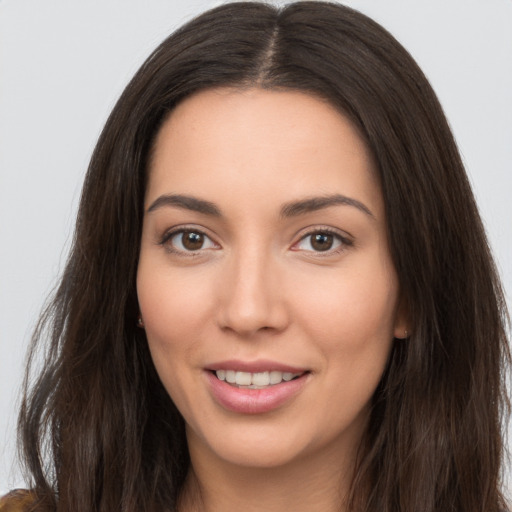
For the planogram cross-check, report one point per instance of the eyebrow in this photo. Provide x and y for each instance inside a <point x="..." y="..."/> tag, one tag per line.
<point x="291" y="209"/>
<point x="314" y="204"/>
<point x="186" y="202"/>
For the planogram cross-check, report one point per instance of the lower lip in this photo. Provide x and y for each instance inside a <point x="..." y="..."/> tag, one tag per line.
<point x="254" y="401"/>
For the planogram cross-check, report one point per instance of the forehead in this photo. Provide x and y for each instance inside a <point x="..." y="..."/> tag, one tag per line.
<point x="254" y="141"/>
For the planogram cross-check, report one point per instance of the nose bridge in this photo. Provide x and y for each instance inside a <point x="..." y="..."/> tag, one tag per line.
<point x="251" y="299"/>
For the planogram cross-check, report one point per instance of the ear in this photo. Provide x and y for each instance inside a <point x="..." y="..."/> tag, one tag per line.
<point x="403" y="325"/>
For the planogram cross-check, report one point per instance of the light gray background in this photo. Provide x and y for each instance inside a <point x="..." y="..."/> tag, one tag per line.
<point x="63" y="63"/>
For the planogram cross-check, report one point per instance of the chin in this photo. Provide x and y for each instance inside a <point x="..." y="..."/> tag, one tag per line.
<point x="256" y="447"/>
<point x="273" y="445"/>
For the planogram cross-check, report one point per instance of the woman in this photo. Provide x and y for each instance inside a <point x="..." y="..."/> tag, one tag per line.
<point x="280" y="293"/>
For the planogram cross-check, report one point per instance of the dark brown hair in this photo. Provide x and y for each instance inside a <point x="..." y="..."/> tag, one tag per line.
<point x="99" y="431"/>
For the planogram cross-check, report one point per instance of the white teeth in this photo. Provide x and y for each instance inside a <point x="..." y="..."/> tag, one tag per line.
<point x="276" y="377"/>
<point x="261" y="379"/>
<point x="255" y="380"/>
<point x="243" y="379"/>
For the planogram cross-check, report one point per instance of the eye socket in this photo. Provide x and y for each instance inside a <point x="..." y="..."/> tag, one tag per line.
<point x="322" y="241"/>
<point x="193" y="241"/>
<point x="188" y="240"/>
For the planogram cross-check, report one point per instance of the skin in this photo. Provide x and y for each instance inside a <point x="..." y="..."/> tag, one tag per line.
<point x="258" y="289"/>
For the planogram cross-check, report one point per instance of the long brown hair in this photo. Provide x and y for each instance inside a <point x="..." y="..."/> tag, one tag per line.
<point x="99" y="431"/>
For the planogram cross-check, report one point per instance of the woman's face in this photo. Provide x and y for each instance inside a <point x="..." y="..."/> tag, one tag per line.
<point x="264" y="258"/>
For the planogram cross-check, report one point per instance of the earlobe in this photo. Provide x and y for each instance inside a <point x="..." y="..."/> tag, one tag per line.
<point x="402" y="330"/>
<point x="403" y="335"/>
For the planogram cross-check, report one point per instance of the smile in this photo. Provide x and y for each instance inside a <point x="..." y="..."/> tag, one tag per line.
<point x="258" y="380"/>
<point x="255" y="387"/>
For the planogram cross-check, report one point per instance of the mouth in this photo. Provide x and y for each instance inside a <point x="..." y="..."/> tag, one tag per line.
<point x="257" y="380"/>
<point x="255" y="387"/>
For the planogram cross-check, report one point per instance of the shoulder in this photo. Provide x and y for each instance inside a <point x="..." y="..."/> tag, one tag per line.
<point x="16" y="501"/>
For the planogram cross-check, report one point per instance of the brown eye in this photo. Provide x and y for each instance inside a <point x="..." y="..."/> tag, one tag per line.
<point x="322" y="241"/>
<point x="188" y="241"/>
<point x="192" y="241"/>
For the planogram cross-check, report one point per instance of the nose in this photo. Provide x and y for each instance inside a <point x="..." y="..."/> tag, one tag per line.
<point x="251" y="298"/>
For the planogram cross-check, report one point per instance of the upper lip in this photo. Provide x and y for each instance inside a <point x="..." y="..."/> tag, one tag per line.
<point x="260" y="365"/>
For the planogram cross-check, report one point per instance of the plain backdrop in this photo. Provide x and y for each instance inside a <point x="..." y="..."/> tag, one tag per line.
<point x="63" y="63"/>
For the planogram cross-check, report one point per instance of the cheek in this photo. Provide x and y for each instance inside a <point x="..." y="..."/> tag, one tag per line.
<point x="172" y="303"/>
<point x="351" y="308"/>
<point x="352" y="322"/>
<point x="174" y="309"/>
<point x="351" y="318"/>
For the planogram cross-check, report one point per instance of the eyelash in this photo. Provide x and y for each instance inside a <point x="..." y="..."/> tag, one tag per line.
<point x="182" y="230"/>
<point x="344" y="242"/>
